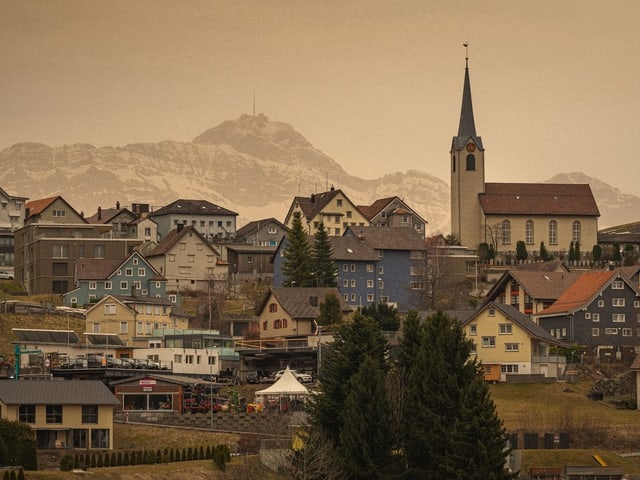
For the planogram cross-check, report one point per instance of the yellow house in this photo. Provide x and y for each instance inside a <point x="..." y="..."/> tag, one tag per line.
<point x="333" y="209"/>
<point x="507" y="342"/>
<point x="134" y="319"/>
<point x="62" y="413"/>
<point x="291" y="312"/>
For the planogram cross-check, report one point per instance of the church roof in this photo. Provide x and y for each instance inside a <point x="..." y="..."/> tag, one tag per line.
<point x="467" y="126"/>
<point x="538" y="199"/>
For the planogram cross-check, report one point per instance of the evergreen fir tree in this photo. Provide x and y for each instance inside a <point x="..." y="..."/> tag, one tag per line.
<point x="386" y="316"/>
<point x="544" y="254"/>
<point x="297" y="257"/>
<point x="324" y="269"/>
<point x="366" y="439"/>
<point x="521" y="250"/>
<point x="576" y="251"/>
<point x="572" y="253"/>
<point x="452" y="429"/>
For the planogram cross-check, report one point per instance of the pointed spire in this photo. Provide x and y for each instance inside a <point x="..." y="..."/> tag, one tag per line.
<point x="467" y="126"/>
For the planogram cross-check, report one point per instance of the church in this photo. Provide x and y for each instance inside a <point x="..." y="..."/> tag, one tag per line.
<point x="501" y="214"/>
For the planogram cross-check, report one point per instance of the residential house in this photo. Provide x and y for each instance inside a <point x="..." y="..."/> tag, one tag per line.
<point x="122" y="219"/>
<point x="530" y="292"/>
<point x="452" y="275"/>
<point x="599" y="312"/>
<point x="291" y="312"/>
<point x="12" y="212"/>
<point x="332" y="208"/>
<point x="46" y="253"/>
<point x="262" y="233"/>
<point x="508" y="342"/>
<point x="96" y="278"/>
<point x="51" y="210"/>
<point x="393" y="212"/>
<point x="63" y="414"/>
<point x="134" y="319"/>
<point x="249" y="263"/>
<point x="374" y="265"/>
<point x="211" y="221"/>
<point x="504" y="213"/>
<point x="189" y="262"/>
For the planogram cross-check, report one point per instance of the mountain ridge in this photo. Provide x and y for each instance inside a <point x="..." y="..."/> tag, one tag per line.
<point x="252" y="165"/>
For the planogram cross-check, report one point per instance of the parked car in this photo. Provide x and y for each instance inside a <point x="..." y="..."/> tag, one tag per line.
<point x="300" y="376"/>
<point x="4" y="275"/>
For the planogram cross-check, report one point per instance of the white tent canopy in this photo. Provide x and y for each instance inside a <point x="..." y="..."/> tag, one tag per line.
<point x="286" y="385"/>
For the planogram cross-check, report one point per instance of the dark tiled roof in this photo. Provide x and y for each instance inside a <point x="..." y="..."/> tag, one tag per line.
<point x="581" y="292"/>
<point x="313" y="204"/>
<point x="352" y="248"/>
<point x="29" y="335"/>
<point x="192" y="207"/>
<point x="297" y="301"/>
<point x="538" y="199"/>
<point x="106" y="215"/>
<point x="95" y="268"/>
<point x="390" y="238"/>
<point x="173" y="237"/>
<point x="252" y="227"/>
<point x="63" y="392"/>
<point x="539" y="285"/>
<point x="376" y="207"/>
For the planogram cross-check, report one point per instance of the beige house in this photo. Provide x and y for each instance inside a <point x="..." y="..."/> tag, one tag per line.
<point x="501" y="214"/>
<point x="291" y="312"/>
<point x="188" y="261"/>
<point x="134" y="319"/>
<point x="51" y="210"/>
<point x="62" y="413"/>
<point x="508" y="343"/>
<point x="332" y="208"/>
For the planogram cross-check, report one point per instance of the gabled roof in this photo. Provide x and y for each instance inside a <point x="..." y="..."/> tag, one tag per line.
<point x="316" y="202"/>
<point x="36" y="207"/>
<point x="3" y="193"/>
<point x="538" y="285"/>
<point x="583" y="292"/>
<point x="174" y="236"/>
<point x="106" y="215"/>
<point x="175" y="379"/>
<point x="523" y="321"/>
<point x="95" y="268"/>
<point x="371" y="211"/>
<point x="538" y="199"/>
<point x="352" y="248"/>
<point x="192" y="207"/>
<point x="255" y="225"/>
<point x="63" y="392"/>
<point x="391" y="238"/>
<point x="297" y="301"/>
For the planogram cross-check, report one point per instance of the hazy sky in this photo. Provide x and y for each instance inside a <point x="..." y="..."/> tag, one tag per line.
<point x="376" y="85"/>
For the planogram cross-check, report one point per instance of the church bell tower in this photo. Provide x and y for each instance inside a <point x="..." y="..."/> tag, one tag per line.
<point x="467" y="174"/>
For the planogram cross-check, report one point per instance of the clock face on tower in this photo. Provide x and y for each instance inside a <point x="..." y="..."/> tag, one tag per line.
<point x="471" y="147"/>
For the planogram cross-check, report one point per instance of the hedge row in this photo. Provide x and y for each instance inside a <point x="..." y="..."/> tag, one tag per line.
<point x="145" y="457"/>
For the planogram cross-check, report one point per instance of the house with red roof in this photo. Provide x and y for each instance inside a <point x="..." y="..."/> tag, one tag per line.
<point x="51" y="210"/>
<point x="599" y="312"/>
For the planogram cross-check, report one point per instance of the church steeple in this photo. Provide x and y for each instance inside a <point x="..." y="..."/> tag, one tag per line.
<point x="467" y="126"/>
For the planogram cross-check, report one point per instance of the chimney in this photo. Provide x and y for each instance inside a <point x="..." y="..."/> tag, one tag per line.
<point x="118" y="205"/>
<point x="180" y="226"/>
<point x="99" y="213"/>
<point x="313" y="198"/>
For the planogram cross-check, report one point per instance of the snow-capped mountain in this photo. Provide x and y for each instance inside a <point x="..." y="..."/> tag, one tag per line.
<point x="251" y="165"/>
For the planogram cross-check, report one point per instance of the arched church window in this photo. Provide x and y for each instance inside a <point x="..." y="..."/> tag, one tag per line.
<point x="528" y="232"/>
<point x="506" y="232"/>
<point x="471" y="162"/>
<point x="553" y="232"/>
<point x="576" y="230"/>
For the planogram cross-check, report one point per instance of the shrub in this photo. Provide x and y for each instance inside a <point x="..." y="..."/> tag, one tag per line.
<point x="66" y="463"/>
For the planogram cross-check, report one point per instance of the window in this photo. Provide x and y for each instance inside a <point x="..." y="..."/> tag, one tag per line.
<point x="353" y="297"/>
<point x="124" y="285"/>
<point x="595" y="332"/>
<point x="506" y="329"/>
<point x="353" y="283"/>
<point x="610" y="331"/>
<point x="59" y="213"/>
<point x="54" y="413"/>
<point x="139" y="328"/>
<point x="369" y="283"/>
<point x="98" y="251"/>
<point x="488" y="342"/>
<point x="345" y="282"/>
<point x="617" y="317"/>
<point x="177" y="358"/>
<point x="353" y="267"/>
<point x="124" y="327"/>
<point x="509" y="368"/>
<point x="191" y="258"/>
<point x="273" y="307"/>
<point x="617" y="285"/>
<point x="369" y="267"/>
<point x="587" y="316"/>
<point x="89" y="414"/>
<point x="492" y="312"/>
<point x="471" y="162"/>
<point x="346" y="297"/>
<point x="506" y="232"/>
<point x="128" y="272"/>
<point x="405" y="218"/>
<point x="211" y="360"/>
<point x="249" y="259"/>
<point x="601" y="303"/>
<point x="188" y="359"/>
<point x="142" y="272"/>
<point x="553" y="232"/>
<point x="473" y="329"/>
<point x="349" y="213"/>
<point x="27" y="413"/>
<point x="627" y="332"/>
<point x="108" y="285"/>
<point x="575" y="231"/>
<point x="528" y="232"/>
<point x="369" y="297"/>
<point x="96" y="327"/>
<point x="511" y="347"/>
<point x="265" y="325"/>
<point x="416" y="285"/>
<point x="345" y="267"/>
<point x="109" y="308"/>
<point x="617" y="302"/>
<point x="59" y="251"/>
